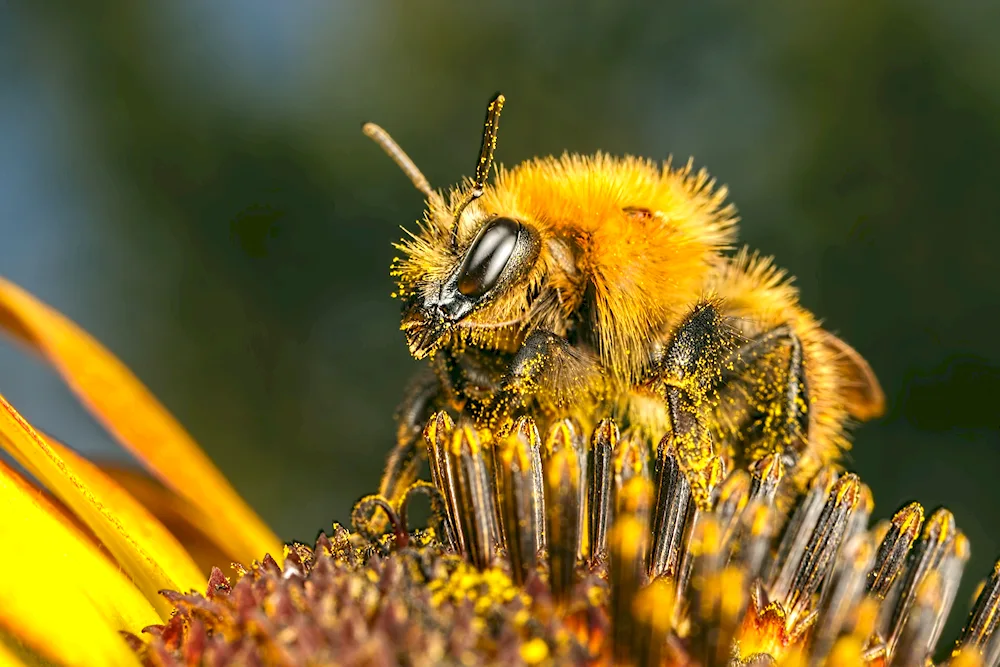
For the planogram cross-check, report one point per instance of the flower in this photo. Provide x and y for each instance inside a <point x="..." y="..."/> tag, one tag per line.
<point x="87" y="558"/>
<point x="572" y="548"/>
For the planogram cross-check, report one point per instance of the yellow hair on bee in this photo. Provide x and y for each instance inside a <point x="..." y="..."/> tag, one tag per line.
<point x="642" y="236"/>
<point x="578" y="287"/>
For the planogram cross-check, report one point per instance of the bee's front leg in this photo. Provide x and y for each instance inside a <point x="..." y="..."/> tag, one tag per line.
<point x="421" y="399"/>
<point x="548" y="373"/>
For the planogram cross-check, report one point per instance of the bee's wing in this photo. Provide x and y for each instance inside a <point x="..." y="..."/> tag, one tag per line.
<point x="860" y="388"/>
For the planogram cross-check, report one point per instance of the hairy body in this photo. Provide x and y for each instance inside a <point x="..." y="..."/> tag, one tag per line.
<point x="587" y="287"/>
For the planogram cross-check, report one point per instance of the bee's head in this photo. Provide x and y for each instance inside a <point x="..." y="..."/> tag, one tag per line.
<point x="466" y="286"/>
<point x="464" y="263"/>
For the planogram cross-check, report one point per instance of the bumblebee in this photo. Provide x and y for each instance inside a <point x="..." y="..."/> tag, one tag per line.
<point x="593" y="286"/>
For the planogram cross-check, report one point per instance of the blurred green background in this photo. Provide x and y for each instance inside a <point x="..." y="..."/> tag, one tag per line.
<point x="189" y="182"/>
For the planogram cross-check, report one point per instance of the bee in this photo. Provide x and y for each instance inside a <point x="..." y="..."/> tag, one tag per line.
<point x="589" y="286"/>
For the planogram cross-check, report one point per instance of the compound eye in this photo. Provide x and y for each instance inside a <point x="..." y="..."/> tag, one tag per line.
<point x="487" y="257"/>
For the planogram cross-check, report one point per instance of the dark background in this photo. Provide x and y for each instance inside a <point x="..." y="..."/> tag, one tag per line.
<point x="189" y="182"/>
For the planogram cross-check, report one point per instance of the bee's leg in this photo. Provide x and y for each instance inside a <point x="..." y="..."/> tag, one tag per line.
<point x="765" y="394"/>
<point x="686" y="372"/>
<point x="548" y="370"/>
<point x="401" y="468"/>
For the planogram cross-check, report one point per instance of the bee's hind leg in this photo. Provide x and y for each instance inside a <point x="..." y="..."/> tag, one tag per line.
<point x="723" y="389"/>
<point x="764" y="396"/>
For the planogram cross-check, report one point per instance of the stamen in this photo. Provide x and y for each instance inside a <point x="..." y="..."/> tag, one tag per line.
<point x="951" y="576"/>
<point x="518" y="500"/>
<point x="670" y="580"/>
<point x="602" y="444"/>
<point x="844" y="591"/>
<point x="568" y="433"/>
<point x="528" y="433"/>
<point x="627" y="544"/>
<point x="437" y="436"/>
<point x="734" y="494"/>
<point x="938" y="535"/>
<point x="894" y="548"/>
<point x="473" y="497"/>
<point x="670" y="512"/>
<point x="652" y="609"/>
<point x="921" y="616"/>
<point x="822" y="547"/>
<point x="563" y="510"/>
<point x="765" y="475"/>
<point x="753" y="536"/>
<point x="716" y="593"/>
<point x="630" y="461"/>
<point x="979" y="632"/>
<point x="862" y="513"/>
<point x="716" y="471"/>
<point x="798" y="532"/>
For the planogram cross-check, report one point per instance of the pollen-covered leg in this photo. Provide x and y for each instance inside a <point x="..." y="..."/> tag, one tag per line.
<point x="549" y="372"/>
<point x="763" y="399"/>
<point x="686" y="373"/>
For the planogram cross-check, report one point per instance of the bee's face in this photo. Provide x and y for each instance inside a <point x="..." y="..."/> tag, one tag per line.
<point x="459" y="283"/>
<point x="469" y="268"/>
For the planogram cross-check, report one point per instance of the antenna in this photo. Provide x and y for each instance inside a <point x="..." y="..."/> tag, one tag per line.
<point x="485" y="161"/>
<point x="402" y="160"/>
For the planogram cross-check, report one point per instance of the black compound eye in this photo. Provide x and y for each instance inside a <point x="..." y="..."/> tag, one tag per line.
<point x="487" y="257"/>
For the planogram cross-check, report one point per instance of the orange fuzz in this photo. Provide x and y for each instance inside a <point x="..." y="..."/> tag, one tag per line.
<point x="586" y="287"/>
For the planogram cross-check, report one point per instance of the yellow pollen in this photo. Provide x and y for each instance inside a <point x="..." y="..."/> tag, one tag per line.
<point x="534" y="652"/>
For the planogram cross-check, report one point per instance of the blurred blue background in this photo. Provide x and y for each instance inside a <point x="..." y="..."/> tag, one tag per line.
<point x="189" y="182"/>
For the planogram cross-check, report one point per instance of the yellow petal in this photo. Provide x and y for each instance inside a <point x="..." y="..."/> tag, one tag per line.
<point x="53" y="507"/>
<point x="175" y="513"/>
<point x="129" y="411"/>
<point x="61" y="596"/>
<point x="145" y="527"/>
<point x="145" y="550"/>
<point x="8" y="659"/>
